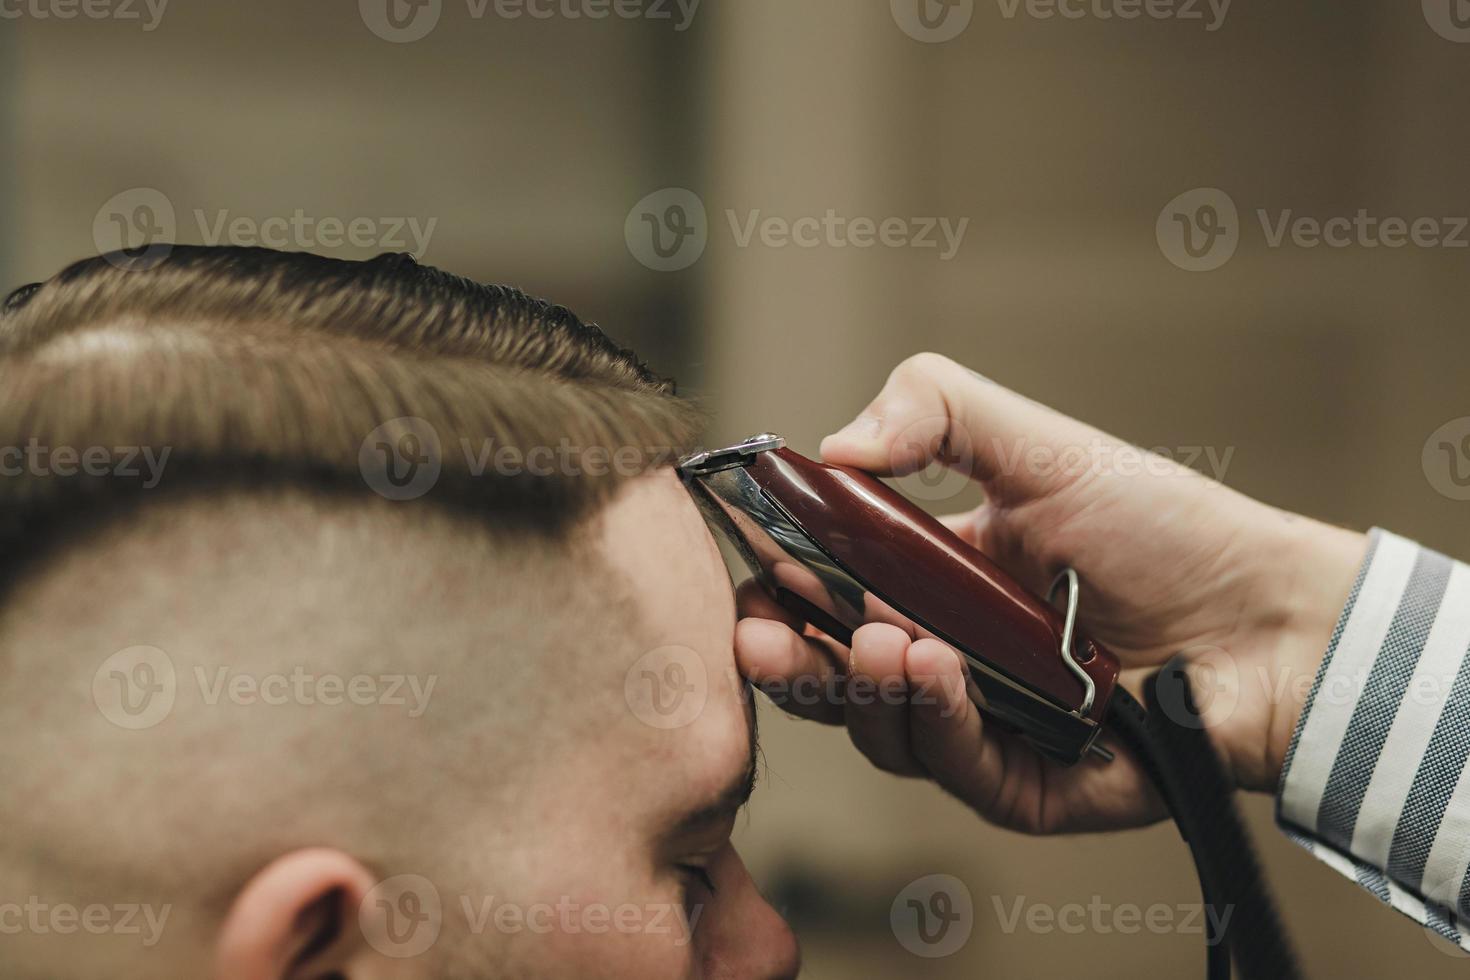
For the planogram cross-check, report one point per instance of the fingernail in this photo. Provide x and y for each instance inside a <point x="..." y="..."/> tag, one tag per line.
<point x="862" y="427"/>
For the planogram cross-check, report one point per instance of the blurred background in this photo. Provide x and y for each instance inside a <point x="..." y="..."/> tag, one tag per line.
<point x="1124" y="199"/>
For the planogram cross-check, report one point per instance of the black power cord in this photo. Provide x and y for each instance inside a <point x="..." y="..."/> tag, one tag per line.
<point x="1171" y="745"/>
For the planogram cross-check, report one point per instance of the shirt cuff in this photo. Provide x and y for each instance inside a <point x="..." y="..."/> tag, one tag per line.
<point x="1375" y="783"/>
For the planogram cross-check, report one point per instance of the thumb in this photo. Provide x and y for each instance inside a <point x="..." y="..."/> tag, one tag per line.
<point x="934" y="410"/>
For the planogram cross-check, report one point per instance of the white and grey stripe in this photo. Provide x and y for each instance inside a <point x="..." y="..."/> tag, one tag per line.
<point x="1380" y="699"/>
<point x="1375" y="782"/>
<point x="1441" y="750"/>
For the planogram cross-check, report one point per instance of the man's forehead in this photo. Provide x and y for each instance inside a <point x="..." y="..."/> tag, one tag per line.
<point x="653" y="534"/>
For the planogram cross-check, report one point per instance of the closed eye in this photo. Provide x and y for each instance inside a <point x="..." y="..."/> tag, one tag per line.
<point x="701" y="876"/>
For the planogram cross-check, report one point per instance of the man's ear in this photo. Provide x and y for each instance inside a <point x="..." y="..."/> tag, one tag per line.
<point x="297" y="919"/>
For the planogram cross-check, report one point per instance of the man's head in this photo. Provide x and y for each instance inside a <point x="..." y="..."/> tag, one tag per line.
<point x="399" y="652"/>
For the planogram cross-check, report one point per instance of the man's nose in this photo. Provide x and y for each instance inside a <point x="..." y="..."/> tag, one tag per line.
<point x="768" y="950"/>
<point x="783" y="953"/>
<point x="750" y="939"/>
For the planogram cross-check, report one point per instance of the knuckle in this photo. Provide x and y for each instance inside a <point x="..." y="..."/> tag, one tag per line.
<point x="926" y="364"/>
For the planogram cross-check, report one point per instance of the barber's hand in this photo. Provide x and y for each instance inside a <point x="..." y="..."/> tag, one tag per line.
<point x="1169" y="561"/>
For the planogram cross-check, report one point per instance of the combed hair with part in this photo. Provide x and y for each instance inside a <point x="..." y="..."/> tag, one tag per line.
<point x="251" y="365"/>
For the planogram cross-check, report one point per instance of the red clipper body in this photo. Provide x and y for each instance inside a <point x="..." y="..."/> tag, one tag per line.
<point x="839" y="549"/>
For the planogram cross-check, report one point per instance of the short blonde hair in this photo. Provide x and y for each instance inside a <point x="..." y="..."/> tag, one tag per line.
<point x="250" y="364"/>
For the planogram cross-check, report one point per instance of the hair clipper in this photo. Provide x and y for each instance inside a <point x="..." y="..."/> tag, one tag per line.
<point x="839" y="548"/>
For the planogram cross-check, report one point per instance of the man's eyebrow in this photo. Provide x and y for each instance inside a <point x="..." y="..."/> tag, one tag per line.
<point x="733" y="796"/>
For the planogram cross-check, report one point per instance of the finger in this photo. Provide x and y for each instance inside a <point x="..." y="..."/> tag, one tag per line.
<point x="966" y="525"/>
<point x="752" y="601"/>
<point x="796" y="672"/>
<point x="945" y="730"/>
<point x="877" y="698"/>
<point x="934" y="410"/>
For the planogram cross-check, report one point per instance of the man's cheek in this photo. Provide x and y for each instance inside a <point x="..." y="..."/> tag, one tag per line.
<point x="634" y="956"/>
<point x="590" y="933"/>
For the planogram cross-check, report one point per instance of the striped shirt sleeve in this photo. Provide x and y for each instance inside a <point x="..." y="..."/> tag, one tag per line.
<point x="1375" y="782"/>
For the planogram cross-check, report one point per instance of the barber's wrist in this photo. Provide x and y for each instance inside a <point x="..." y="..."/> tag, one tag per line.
<point x="1316" y="566"/>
